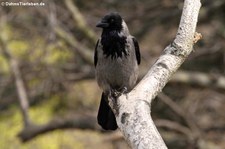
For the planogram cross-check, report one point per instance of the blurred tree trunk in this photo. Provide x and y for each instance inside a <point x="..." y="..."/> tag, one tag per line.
<point x="19" y="83"/>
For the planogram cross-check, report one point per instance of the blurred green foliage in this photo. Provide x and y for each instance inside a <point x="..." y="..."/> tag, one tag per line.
<point x="11" y="125"/>
<point x="4" y="65"/>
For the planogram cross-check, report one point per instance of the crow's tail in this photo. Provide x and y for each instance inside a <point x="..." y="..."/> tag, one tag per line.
<point x="106" y="117"/>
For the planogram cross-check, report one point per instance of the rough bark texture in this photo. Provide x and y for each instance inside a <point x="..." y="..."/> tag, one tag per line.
<point x="133" y="118"/>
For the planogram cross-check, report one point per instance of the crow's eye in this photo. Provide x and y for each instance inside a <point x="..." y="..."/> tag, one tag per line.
<point x="112" y="20"/>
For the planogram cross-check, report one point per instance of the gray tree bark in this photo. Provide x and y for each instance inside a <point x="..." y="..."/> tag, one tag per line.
<point x="133" y="110"/>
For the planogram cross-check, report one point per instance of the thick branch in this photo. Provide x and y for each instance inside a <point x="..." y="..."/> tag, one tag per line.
<point x="174" y="54"/>
<point x="133" y="118"/>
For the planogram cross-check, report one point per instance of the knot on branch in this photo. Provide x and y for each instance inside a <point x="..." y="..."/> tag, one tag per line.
<point x="176" y="50"/>
<point x="124" y="117"/>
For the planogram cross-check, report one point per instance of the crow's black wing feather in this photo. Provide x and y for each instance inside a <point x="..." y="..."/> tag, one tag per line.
<point x="137" y="51"/>
<point x="106" y="117"/>
<point x="96" y="54"/>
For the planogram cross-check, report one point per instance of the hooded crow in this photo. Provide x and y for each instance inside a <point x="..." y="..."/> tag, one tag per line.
<point x="116" y="61"/>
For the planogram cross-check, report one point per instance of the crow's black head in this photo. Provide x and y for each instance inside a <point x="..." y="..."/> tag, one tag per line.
<point x="111" y="21"/>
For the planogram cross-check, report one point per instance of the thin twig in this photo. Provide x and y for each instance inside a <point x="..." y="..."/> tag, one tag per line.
<point x="83" y="51"/>
<point x="80" y="21"/>
<point x="185" y="115"/>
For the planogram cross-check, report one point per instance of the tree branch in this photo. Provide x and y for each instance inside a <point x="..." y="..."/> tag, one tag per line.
<point x="133" y="109"/>
<point x="80" y="121"/>
<point x="80" y="49"/>
<point x="20" y="86"/>
<point x="195" y="131"/>
<point x="174" y="126"/>
<point x="80" y="21"/>
<point x="200" y="79"/>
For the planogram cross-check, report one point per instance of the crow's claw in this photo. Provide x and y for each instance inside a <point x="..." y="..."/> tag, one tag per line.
<point x="114" y="93"/>
<point x="124" y="90"/>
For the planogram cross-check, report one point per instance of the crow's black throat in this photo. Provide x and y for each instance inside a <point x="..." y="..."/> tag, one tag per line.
<point x="113" y="44"/>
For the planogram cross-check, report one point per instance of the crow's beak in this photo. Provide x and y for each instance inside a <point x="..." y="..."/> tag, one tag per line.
<point x="102" y="24"/>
